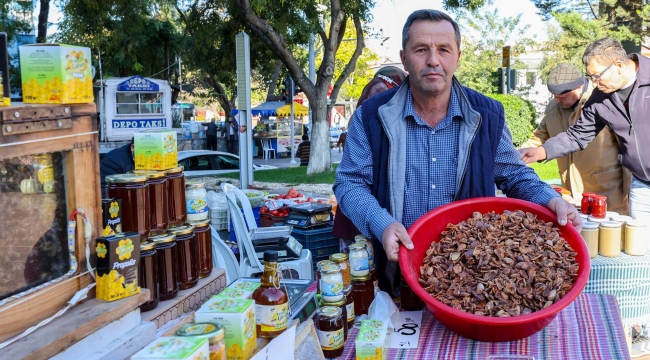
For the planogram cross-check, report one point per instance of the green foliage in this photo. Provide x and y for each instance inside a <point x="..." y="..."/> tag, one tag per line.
<point x="362" y="74"/>
<point x="546" y="170"/>
<point x="520" y="116"/>
<point x="291" y="175"/>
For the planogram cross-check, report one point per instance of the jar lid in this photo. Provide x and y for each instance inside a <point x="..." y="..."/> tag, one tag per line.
<point x="194" y="185"/>
<point x="125" y="178"/>
<point x="147" y="245"/>
<point x="339" y="257"/>
<point x="611" y="214"/>
<point x="584" y="217"/>
<point x="150" y="174"/>
<point x="358" y="247"/>
<point x="334" y="303"/>
<point x="182" y="230"/>
<point x="329" y="311"/>
<point x="162" y="238"/>
<point x="174" y="170"/>
<point x="322" y="263"/>
<point x="347" y="291"/>
<point x="590" y="225"/>
<point x="199" y="223"/>
<point x="361" y="238"/>
<point x="622" y="218"/>
<point x="611" y="224"/>
<point x="330" y="268"/>
<point x="597" y="220"/>
<point x="600" y="197"/>
<point x="585" y="194"/>
<point x="361" y="278"/>
<point x="635" y="224"/>
<point x="203" y="330"/>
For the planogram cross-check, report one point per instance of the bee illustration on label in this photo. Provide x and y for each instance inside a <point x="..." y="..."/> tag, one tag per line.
<point x="101" y="250"/>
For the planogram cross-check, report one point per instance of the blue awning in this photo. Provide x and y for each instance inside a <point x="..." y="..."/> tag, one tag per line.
<point x="265" y="109"/>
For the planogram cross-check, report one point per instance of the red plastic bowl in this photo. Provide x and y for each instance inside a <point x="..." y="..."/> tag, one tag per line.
<point x="483" y="328"/>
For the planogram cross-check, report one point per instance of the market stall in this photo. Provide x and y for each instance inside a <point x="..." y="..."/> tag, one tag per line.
<point x="274" y="128"/>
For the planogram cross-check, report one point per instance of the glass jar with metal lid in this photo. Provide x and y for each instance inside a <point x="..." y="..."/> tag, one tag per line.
<point x="188" y="264"/>
<point x="204" y="243"/>
<point x="344" y="314"/>
<point x="362" y="239"/>
<point x="599" y="207"/>
<point x="342" y="261"/>
<point x="197" y="201"/>
<point x="176" y="196"/>
<point x="331" y="283"/>
<point x="133" y="191"/>
<point x="349" y="305"/>
<point x="148" y="274"/>
<point x="158" y="200"/>
<point x="609" y="238"/>
<point x="622" y="219"/>
<point x="636" y="238"/>
<point x="590" y="233"/>
<point x="363" y="293"/>
<point x="359" y="260"/>
<point x="167" y="265"/>
<point x="329" y="328"/>
<point x="215" y="333"/>
<point x="319" y="266"/>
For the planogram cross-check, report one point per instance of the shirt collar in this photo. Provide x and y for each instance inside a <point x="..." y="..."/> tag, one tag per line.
<point x="453" y="111"/>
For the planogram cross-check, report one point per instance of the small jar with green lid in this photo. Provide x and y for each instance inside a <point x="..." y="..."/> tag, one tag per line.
<point x="214" y="332"/>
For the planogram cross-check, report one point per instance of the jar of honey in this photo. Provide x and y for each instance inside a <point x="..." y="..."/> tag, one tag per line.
<point x="349" y="306"/>
<point x="344" y="314"/>
<point x="599" y="207"/>
<point x="188" y="262"/>
<point x="197" y="201"/>
<point x="329" y="328"/>
<point x="589" y="233"/>
<point x="408" y="298"/>
<point x="148" y="274"/>
<point x="362" y="239"/>
<point x="331" y="284"/>
<point x="158" y="209"/>
<point x="359" y="265"/>
<point x="363" y="293"/>
<point x="204" y="243"/>
<point x="609" y="238"/>
<point x="176" y="196"/>
<point x="636" y="238"/>
<point x="133" y="191"/>
<point x="374" y="275"/>
<point x="215" y="333"/>
<point x="319" y="266"/>
<point x="623" y="219"/>
<point x="585" y="203"/>
<point x="341" y="260"/>
<point x="167" y="265"/>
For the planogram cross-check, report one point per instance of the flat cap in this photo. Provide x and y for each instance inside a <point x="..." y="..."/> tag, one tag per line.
<point x="564" y="78"/>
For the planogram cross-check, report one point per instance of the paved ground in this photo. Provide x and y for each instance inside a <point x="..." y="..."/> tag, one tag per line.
<point x="283" y="162"/>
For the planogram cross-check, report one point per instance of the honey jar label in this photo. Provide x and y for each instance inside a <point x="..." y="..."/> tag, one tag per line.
<point x="111" y="216"/>
<point x="272" y="317"/>
<point x="330" y="340"/>
<point x="117" y="266"/>
<point x="333" y="289"/>
<point x="360" y="264"/>
<point x="197" y="206"/>
<point x="349" y="308"/>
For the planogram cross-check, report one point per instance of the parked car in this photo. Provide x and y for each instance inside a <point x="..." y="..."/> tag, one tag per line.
<point x="205" y="162"/>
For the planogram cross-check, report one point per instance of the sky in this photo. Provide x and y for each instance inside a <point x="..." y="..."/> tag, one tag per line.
<point x="390" y="16"/>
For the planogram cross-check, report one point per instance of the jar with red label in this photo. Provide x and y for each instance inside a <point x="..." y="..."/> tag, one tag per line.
<point x="599" y="207"/>
<point x="585" y="204"/>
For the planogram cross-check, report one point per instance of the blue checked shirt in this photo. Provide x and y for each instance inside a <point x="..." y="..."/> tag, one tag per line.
<point x="431" y="162"/>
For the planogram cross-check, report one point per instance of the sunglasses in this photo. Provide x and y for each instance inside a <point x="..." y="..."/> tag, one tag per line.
<point x="596" y="78"/>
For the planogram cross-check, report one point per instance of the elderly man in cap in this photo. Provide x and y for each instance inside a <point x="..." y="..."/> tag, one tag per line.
<point x="596" y="168"/>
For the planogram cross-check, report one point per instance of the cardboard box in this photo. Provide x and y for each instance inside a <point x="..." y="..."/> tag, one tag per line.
<point x="230" y="293"/>
<point x="56" y="74"/>
<point x="155" y="150"/>
<point x="5" y="94"/>
<point x="373" y="340"/>
<point x="111" y="216"/>
<point x="237" y="316"/>
<point x="240" y="289"/>
<point x="118" y="258"/>
<point x="175" y="348"/>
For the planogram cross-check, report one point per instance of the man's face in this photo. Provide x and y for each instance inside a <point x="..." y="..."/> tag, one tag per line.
<point x="567" y="100"/>
<point x="606" y="76"/>
<point x="431" y="56"/>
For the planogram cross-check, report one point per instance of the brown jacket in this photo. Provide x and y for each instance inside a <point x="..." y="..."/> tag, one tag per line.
<point x="596" y="168"/>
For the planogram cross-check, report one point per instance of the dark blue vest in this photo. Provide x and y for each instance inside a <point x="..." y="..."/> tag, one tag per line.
<point x="478" y="180"/>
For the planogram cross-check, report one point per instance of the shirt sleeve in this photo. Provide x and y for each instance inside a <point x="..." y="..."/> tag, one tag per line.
<point x="577" y="137"/>
<point x="354" y="181"/>
<point x="514" y="178"/>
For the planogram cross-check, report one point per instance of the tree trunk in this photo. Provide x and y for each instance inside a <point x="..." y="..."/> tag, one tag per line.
<point x="320" y="156"/>
<point x="41" y="36"/>
<point x="274" y="79"/>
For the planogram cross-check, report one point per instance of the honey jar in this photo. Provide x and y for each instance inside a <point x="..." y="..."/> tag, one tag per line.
<point x="636" y="238"/>
<point x="590" y="235"/>
<point x="609" y="238"/>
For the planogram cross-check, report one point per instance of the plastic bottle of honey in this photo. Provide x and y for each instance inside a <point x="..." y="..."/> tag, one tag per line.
<point x="271" y="300"/>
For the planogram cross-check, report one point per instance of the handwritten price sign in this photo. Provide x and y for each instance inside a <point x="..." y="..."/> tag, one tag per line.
<point x="406" y="334"/>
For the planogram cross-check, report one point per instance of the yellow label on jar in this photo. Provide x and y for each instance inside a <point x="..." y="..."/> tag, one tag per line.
<point x="330" y="340"/>
<point x="349" y="308"/>
<point x="272" y="317"/>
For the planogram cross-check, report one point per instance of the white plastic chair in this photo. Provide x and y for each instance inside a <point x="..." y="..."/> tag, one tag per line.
<point x="267" y="148"/>
<point x="249" y="264"/>
<point x="222" y="257"/>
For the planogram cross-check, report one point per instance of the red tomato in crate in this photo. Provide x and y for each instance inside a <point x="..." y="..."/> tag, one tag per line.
<point x="264" y="210"/>
<point x="310" y="199"/>
<point x="275" y="212"/>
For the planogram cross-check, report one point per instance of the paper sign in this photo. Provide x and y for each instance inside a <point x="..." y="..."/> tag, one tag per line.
<point x="272" y="205"/>
<point x="281" y="347"/>
<point x="406" y="334"/>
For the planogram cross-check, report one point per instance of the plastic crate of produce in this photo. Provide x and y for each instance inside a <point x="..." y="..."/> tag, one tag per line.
<point x="220" y="219"/>
<point x="268" y="220"/>
<point x="309" y="236"/>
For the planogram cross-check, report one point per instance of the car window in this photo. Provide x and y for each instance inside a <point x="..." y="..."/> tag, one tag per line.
<point x="226" y="162"/>
<point x="195" y="163"/>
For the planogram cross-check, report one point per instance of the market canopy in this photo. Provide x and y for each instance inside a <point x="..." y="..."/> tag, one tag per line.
<point x="265" y="109"/>
<point x="298" y="110"/>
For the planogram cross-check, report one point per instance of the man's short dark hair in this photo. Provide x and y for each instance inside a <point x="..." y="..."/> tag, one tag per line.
<point x="428" y="15"/>
<point x="305" y="137"/>
<point x="605" y="51"/>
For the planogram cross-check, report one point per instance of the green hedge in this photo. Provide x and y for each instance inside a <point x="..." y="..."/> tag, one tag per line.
<point x="520" y="116"/>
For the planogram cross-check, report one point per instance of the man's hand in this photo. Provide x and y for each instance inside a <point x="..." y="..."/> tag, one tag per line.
<point x="564" y="211"/>
<point x="394" y="234"/>
<point x="531" y="155"/>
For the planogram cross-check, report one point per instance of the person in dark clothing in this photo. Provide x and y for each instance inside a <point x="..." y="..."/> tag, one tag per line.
<point x="231" y="133"/>
<point x="118" y="161"/>
<point x="304" y="149"/>
<point x="211" y="135"/>
<point x="341" y="143"/>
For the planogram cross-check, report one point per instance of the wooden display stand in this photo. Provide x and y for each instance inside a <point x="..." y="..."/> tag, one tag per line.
<point x="39" y="129"/>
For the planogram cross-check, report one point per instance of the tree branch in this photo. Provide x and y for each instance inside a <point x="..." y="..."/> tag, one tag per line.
<point x="352" y="63"/>
<point x="592" y="9"/>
